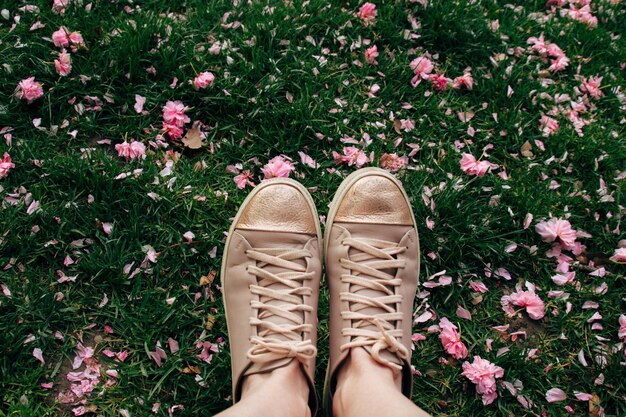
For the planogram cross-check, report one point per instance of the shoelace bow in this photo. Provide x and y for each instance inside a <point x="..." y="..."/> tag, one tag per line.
<point x="367" y="270"/>
<point x="265" y="346"/>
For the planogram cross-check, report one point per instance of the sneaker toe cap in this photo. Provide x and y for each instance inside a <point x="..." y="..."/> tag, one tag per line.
<point x="278" y="206"/>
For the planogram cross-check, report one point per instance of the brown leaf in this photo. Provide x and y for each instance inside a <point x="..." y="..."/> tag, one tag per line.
<point x="193" y="138"/>
<point x="397" y="125"/>
<point x="191" y="370"/>
<point x="175" y="156"/>
<point x="594" y="405"/>
<point x="210" y="321"/>
<point x="477" y="299"/>
<point x="208" y="278"/>
<point x="527" y="150"/>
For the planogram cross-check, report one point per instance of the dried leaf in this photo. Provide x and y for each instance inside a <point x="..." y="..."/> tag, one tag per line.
<point x="193" y="138"/>
<point x="527" y="150"/>
<point x="208" y="278"/>
<point x="191" y="370"/>
<point x="397" y="125"/>
<point x="477" y="299"/>
<point x="198" y="166"/>
<point x="174" y="156"/>
<point x="594" y="406"/>
<point x="210" y="321"/>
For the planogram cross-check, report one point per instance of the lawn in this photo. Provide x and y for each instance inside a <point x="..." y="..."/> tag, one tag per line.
<point x="130" y="132"/>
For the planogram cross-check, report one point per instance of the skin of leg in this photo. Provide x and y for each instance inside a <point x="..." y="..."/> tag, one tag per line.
<point x="281" y="392"/>
<point x="366" y="388"/>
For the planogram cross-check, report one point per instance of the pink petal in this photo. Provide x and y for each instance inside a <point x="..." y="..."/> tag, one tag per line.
<point x="33" y="207"/>
<point x="139" y="103"/>
<point x="463" y="313"/>
<point x="173" y="345"/>
<point x="107" y="228"/>
<point x="555" y="394"/>
<point x="39" y="355"/>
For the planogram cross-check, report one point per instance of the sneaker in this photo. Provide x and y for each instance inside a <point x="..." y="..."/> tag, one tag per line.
<point x="270" y="278"/>
<point x="372" y="267"/>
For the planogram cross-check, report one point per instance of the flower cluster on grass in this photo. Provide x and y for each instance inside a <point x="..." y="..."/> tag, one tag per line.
<point x="132" y="131"/>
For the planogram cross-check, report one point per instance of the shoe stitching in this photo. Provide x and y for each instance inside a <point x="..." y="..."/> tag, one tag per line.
<point x="367" y="271"/>
<point x="266" y="347"/>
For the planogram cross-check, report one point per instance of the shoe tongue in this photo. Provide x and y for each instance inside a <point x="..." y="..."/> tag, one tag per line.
<point x="391" y="233"/>
<point x="258" y="240"/>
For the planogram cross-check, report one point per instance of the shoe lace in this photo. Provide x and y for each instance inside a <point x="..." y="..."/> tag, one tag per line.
<point x="369" y="268"/>
<point x="266" y="346"/>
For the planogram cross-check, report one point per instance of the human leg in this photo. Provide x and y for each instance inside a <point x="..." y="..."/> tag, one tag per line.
<point x="366" y="388"/>
<point x="281" y="392"/>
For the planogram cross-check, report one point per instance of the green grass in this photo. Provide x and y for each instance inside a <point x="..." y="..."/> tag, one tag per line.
<point x="250" y="120"/>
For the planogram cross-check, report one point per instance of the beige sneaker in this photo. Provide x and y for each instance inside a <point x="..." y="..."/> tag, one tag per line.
<point x="372" y="268"/>
<point x="270" y="278"/>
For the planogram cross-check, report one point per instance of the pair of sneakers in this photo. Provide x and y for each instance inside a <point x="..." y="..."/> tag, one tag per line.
<point x="272" y="267"/>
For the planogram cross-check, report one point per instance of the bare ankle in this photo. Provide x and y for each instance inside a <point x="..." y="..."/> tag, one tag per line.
<point x="360" y="365"/>
<point x="283" y="391"/>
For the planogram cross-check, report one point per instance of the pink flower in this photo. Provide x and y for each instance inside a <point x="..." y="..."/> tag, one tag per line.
<point x="528" y="299"/>
<point x="555" y="51"/>
<point x="538" y="45"/>
<point x="173" y="131"/>
<point x="618" y="256"/>
<point x="464" y="80"/>
<point x="548" y="125"/>
<point x="622" y="327"/>
<point x="439" y="81"/>
<point x="422" y="67"/>
<point x="371" y="54"/>
<point x="63" y="38"/>
<point x="556" y="228"/>
<point x="76" y="39"/>
<point x="174" y="113"/>
<point x="483" y="373"/>
<point x="63" y="65"/>
<point x="351" y="156"/>
<point x="5" y="165"/>
<point x="393" y="162"/>
<point x="470" y="166"/>
<point x="559" y="64"/>
<point x="60" y="38"/>
<point x="132" y="150"/>
<point x="450" y="339"/>
<point x="243" y="179"/>
<point x="591" y="86"/>
<point x="29" y="90"/>
<point x="583" y="15"/>
<point x="278" y="166"/>
<point x="204" y="80"/>
<point x="58" y="6"/>
<point x="555" y="394"/>
<point x="367" y="12"/>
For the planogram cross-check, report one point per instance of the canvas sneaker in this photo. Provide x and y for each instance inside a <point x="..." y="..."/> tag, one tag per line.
<point x="372" y="268"/>
<point x="270" y="278"/>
